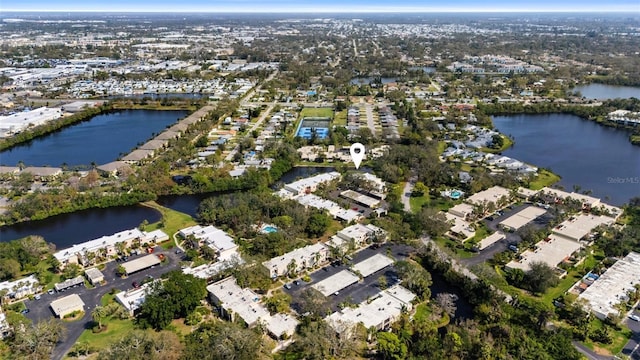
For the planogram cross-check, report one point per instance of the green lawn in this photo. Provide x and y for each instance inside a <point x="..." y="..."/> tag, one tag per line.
<point x="441" y="146"/>
<point x="116" y="329"/>
<point x="418" y="201"/>
<point x="173" y="221"/>
<point x="422" y="312"/>
<point x="620" y="338"/>
<point x="505" y="145"/>
<point x="316" y="112"/>
<point x="544" y="178"/>
<point x="340" y="118"/>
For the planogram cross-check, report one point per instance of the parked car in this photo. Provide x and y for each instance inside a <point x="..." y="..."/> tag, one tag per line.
<point x="24" y="311"/>
<point x="178" y="251"/>
<point x="287" y="286"/>
<point x="37" y="297"/>
<point x="297" y="282"/>
<point x="51" y="292"/>
<point x="135" y="284"/>
<point x="513" y="248"/>
<point x="336" y="293"/>
<point x="634" y="317"/>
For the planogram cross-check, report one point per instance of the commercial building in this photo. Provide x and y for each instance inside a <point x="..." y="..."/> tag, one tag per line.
<point x="69" y="283"/>
<point x="133" y="299"/>
<point x="297" y="260"/>
<point x="94" y="276"/>
<point x="233" y="301"/>
<point x="521" y="218"/>
<point x="140" y="264"/>
<point x="336" y="282"/>
<point x="612" y="287"/>
<point x="18" y="122"/>
<point x="67" y="305"/>
<point x="372" y="265"/>
<point x="551" y="251"/>
<point x="21" y="288"/>
<point x="379" y="313"/>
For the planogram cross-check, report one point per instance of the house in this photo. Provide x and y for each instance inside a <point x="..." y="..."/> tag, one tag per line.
<point x="43" y="172"/>
<point x="18" y="289"/>
<point x="114" y="168"/>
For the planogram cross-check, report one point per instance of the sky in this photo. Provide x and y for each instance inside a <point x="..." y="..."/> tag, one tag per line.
<point x="323" y="6"/>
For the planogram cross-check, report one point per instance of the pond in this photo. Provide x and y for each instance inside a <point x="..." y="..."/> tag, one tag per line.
<point x="604" y="92"/>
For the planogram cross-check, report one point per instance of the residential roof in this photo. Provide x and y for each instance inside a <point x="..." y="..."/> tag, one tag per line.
<point x="154" y="144"/>
<point x="9" y="169"/>
<point x="212" y="236"/>
<point x="140" y="263"/>
<point x="94" y="274"/>
<point x="99" y="243"/>
<point x="21" y="284"/>
<point x="43" y="171"/>
<point x="372" y="264"/>
<point x="137" y="155"/>
<point x="579" y="226"/>
<point x="114" y="166"/>
<point x="69" y="283"/>
<point x="134" y="298"/>
<point x="305" y="254"/>
<point x="522" y="217"/>
<point x="360" y="198"/>
<point x="551" y="252"/>
<point x="243" y="302"/>
<point x="611" y="287"/>
<point x="336" y="282"/>
<point x="388" y="305"/>
<point x="280" y="324"/>
<point x="490" y="240"/>
<point x="67" y="304"/>
<point x="490" y="195"/>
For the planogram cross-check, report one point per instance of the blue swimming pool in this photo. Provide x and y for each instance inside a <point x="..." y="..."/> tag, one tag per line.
<point x="455" y="194"/>
<point x="269" y="229"/>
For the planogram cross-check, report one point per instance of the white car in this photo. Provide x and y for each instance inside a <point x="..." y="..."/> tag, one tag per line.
<point x="634" y="317"/>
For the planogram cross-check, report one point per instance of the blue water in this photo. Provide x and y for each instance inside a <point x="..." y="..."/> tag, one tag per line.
<point x="455" y="194"/>
<point x="582" y="152"/>
<point x="603" y="92"/>
<point x="270" y="229"/>
<point x="307" y="132"/>
<point x="101" y="139"/>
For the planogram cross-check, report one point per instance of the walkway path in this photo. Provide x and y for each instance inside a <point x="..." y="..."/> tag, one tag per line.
<point x="406" y="195"/>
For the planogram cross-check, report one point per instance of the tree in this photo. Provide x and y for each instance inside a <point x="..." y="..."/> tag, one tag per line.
<point x="176" y="297"/>
<point x="222" y="341"/>
<point x="279" y="302"/>
<point x="415" y="278"/>
<point x="313" y="302"/>
<point x="70" y="271"/>
<point x="36" y="342"/>
<point x="390" y="346"/>
<point x="140" y="344"/>
<point x="9" y="269"/>
<point x="445" y="301"/>
<point x="97" y="314"/>
<point x="121" y="271"/>
<point x="317" y="224"/>
<point x="540" y="277"/>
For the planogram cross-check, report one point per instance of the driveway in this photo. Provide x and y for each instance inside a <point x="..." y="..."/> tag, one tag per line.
<point x="632" y="349"/>
<point x="40" y="309"/>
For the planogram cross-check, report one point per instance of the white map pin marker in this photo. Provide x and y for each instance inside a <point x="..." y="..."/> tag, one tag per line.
<point x="357" y="153"/>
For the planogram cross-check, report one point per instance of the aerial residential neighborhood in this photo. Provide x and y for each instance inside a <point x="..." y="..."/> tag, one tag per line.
<point x="328" y="182"/>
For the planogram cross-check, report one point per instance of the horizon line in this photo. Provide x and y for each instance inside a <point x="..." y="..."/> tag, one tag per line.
<point x="609" y="10"/>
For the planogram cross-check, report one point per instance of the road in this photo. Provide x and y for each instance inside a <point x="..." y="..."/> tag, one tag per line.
<point x="40" y="309"/>
<point x="261" y="119"/>
<point x="632" y="348"/>
<point x="406" y="195"/>
<point x="368" y="108"/>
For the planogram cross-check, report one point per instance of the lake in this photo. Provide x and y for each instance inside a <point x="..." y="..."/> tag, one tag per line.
<point x="101" y="139"/>
<point x="583" y="153"/>
<point x="604" y="92"/>
<point x="160" y="96"/>
<point x="74" y="228"/>
<point x="369" y="80"/>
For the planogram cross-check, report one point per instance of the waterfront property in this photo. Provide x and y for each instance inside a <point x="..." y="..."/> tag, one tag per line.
<point x="310" y="184"/>
<point x="378" y="313"/>
<point x="18" y="122"/>
<point x="67" y="305"/>
<point x="521" y="218"/>
<point x="107" y="246"/>
<point x="213" y="237"/>
<point x="613" y="287"/>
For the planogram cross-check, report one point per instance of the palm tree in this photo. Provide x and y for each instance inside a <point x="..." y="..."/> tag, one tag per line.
<point x="97" y="314"/>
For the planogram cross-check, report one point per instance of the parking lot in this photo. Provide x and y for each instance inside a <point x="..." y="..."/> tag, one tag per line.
<point x="492" y="223"/>
<point x="632" y="348"/>
<point x="40" y="310"/>
<point x="359" y="291"/>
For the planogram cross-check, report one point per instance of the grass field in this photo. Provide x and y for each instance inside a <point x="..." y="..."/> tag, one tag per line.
<point x="620" y="338"/>
<point x="544" y="178"/>
<point x="340" y="118"/>
<point x="116" y="329"/>
<point x="171" y="222"/>
<point x="418" y="202"/>
<point x="317" y="112"/>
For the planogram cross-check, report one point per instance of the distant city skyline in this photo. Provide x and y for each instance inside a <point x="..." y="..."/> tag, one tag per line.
<point x="327" y="6"/>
